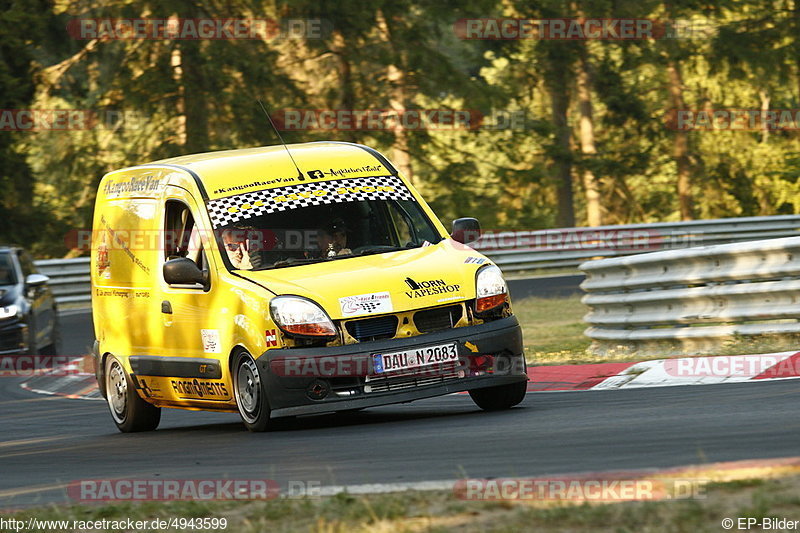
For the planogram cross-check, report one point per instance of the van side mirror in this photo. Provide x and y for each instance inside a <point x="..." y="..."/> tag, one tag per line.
<point x="36" y="280"/>
<point x="466" y="230"/>
<point x="184" y="271"/>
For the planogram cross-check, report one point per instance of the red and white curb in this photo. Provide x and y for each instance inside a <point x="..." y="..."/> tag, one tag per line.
<point x="602" y="376"/>
<point x="66" y="381"/>
<point x="665" y="372"/>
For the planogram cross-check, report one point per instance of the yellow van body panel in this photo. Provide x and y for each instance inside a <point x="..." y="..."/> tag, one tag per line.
<point x="439" y="270"/>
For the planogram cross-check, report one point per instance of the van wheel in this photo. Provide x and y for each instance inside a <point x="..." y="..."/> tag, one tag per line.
<point x="129" y="411"/>
<point x="251" y="398"/>
<point x="501" y="397"/>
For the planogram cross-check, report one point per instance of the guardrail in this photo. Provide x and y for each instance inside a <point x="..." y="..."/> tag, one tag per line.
<point x="69" y="278"/>
<point x="693" y="299"/>
<point x="535" y="250"/>
<point x="569" y="247"/>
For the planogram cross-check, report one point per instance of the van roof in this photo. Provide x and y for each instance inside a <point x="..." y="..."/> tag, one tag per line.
<point x="231" y="172"/>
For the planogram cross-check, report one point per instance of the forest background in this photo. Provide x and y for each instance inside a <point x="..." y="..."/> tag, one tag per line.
<point x="562" y="131"/>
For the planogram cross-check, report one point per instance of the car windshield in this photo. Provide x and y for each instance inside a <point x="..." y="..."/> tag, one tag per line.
<point x="315" y="233"/>
<point x="7" y="276"/>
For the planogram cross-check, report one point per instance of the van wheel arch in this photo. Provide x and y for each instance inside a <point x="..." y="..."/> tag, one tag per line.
<point x="233" y="354"/>
<point x="100" y="373"/>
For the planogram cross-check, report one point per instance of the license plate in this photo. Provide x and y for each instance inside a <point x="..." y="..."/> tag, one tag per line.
<point x="414" y="358"/>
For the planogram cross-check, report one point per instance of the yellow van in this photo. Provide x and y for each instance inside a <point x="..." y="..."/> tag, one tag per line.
<point x="290" y="280"/>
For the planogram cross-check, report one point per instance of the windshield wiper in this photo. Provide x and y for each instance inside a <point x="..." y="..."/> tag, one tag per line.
<point x="292" y="261"/>
<point x="381" y="249"/>
<point x="378" y="249"/>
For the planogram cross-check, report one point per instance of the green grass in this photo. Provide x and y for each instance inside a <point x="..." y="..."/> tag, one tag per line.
<point x="442" y="511"/>
<point x="552" y="332"/>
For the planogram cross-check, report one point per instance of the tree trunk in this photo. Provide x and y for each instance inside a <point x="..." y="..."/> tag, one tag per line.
<point x="180" y="103"/>
<point x="400" y="151"/>
<point x="194" y="96"/>
<point x="764" y="109"/>
<point x="556" y="78"/>
<point x="591" y="184"/>
<point x="559" y="102"/>
<point x="680" y="146"/>
<point x="340" y="48"/>
<point x="191" y="108"/>
<point x="396" y="78"/>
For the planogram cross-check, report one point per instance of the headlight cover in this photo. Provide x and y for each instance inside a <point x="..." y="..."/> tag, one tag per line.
<point x="9" y="311"/>
<point x="301" y="317"/>
<point x="490" y="289"/>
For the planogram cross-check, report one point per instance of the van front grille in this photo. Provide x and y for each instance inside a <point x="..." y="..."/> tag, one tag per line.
<point x="437" y="319"/>
<point x="413" y="378"/>
<point x="372" y="329"/>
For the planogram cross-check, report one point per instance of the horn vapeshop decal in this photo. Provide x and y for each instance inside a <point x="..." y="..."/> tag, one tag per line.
<point x="232" y="209"/>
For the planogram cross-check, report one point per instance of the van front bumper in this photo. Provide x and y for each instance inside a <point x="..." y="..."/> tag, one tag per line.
<point x="302" y="381"/>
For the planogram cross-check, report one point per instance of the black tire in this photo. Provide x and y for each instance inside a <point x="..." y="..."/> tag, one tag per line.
<point x="129" y="412"/>
<point x="250" y="394"/>
<point x="499" y="398"/>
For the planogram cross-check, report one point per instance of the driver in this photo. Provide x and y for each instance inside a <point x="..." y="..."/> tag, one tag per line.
<point x="242" y="254"/>
<point x="332" y="239"/>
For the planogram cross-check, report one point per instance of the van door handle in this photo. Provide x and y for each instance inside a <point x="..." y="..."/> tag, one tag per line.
<point x="166" y="307"/>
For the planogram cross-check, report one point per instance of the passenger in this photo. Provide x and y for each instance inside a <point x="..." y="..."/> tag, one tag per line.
<point x="332" y="239"/>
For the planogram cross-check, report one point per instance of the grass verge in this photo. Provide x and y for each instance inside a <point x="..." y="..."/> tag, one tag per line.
<point x="414" y="511"/>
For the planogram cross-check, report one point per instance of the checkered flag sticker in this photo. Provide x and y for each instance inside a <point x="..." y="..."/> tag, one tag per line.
<point x="232" y="209"/>
<point x="369" y="307"/>
<point x="366" y="304"/>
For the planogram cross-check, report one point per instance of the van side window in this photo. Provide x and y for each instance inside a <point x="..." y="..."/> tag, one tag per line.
<point x="181" y="236"/>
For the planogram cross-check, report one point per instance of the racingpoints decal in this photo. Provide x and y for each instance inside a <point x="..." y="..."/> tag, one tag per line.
<point x="205" y="390"/>
<point x="226" y="211"/>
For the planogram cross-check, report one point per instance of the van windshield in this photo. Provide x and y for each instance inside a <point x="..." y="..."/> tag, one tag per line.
<point x="326" y="232"/>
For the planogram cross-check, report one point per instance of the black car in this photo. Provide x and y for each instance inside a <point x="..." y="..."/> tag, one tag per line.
<point x="28" y="314"/>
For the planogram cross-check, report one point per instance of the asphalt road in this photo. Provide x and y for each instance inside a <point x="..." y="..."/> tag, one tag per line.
<point x="47" y="442"/>
<point x="77" y="331"/>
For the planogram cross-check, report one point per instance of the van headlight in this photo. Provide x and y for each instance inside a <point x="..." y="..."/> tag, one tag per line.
<point x="9" y="311"/>
<point x="490" y="288"/>
<point x="301" y="317"/>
